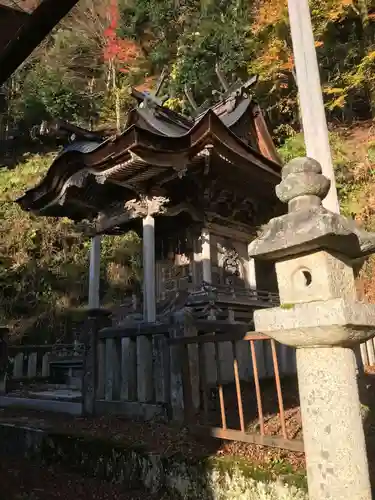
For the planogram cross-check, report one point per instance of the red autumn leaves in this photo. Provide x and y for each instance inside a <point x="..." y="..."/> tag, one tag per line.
<point x="118" y="50"/>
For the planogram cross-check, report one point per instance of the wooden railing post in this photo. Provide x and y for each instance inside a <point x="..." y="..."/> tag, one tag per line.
<point x="32" y="365"/>
<point x="182" y="380"/>
<point x="176" y="378"/>
<point x="4" y="331"/>
<point x="101" y="359"/>
<point x="128" y="390"/>
<point x="112" y="369"/>
<point x="161" y="365"/>
<point x="18" y="365"/>
<point x="177" y="385"/>
<point x="144" y="369"/>
<point x="45" y="364"/>
<point x="97" y="319"/>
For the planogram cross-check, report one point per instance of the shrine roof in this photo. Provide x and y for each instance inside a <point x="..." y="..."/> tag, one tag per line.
<point x="157" y="146"/>
<point x="23" y="26"/>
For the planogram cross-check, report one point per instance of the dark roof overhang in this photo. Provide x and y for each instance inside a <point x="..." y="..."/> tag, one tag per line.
<point x="139" y="155"/>
<point x="22" y="31"/>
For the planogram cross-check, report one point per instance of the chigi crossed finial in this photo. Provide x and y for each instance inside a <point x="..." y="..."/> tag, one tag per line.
<point x="237" y="88"/>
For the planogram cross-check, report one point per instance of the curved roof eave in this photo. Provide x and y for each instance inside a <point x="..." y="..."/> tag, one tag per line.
<point x="165" y="122"/>
<point x="151" y="148"/>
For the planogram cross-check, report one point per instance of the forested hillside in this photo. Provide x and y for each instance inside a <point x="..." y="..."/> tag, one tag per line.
<point x="83" y="73"/>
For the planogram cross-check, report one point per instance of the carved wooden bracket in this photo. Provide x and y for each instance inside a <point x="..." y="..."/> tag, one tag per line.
<point x="146" y="206"/>
<point x="121" y="213"/>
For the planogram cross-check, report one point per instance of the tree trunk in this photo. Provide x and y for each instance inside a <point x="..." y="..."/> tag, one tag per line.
<point x="116" y="91"/>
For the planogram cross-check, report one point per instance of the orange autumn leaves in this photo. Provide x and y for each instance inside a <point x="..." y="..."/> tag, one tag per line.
<point x="268" y="13"/>
<point x="272" y="12"/>
<point x="270" y="23"/>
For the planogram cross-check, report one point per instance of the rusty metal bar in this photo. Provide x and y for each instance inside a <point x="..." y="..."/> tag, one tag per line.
<point x="220" y="387"/>
<point x="257" y="387"/>
<point x="234" y="435"/>
<point x="238" y="388"/>
<point x="278" y="388"/>
<point x="203" y="339"/>
<point x="203" y="381"/>
<point x="252" y="438"/>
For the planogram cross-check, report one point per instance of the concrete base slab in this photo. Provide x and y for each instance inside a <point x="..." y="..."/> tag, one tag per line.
<point x="53" y="405"/>
<point x="58" y="394"/>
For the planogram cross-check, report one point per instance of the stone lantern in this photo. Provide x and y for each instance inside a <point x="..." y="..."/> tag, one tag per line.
<point x="314" y="250"/>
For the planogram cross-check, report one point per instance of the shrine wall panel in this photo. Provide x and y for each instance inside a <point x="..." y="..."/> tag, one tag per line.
<point x="229" y="261"/>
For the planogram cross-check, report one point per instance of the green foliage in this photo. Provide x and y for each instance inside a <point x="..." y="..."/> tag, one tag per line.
<point x="48" y="93"/>
<point x="71" y="77"/>
<point x="218" y="36"/>
<point x="293" y="147"/>
<point x="354" y="169"/>
<point x="189" y="38"/>
<point x="371" y="152"/>
<point x="44" y="262"/>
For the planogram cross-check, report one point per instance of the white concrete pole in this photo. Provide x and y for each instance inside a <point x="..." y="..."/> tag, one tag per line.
<point x="311" y="99"/>
<point x="310" y="95"/>
<point x="149" y="291"/>
<point x="94" y="273"/>
<point x="206" y="256"/>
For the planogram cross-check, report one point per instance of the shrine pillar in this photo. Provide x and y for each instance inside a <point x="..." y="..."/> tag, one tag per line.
<point x="251" y="280"/>
<point x="94" y="273"/>
<point x="146" y="207"/>
<point x="206" y="256"/>
<point x="149" y="291"/>
<point x="196" y="270"/>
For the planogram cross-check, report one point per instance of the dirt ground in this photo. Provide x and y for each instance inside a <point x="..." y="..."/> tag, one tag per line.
<point x="168" y="440"/>
<point x="22" y="480"/>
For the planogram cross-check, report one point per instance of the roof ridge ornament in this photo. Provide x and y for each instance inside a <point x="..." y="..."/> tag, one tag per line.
<point x="152" y="99"/>
<point x="230" y="91"/>
<point x="236" y="89"/>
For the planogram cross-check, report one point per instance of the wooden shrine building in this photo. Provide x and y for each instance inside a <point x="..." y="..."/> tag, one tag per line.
<point x="198" y="188"/>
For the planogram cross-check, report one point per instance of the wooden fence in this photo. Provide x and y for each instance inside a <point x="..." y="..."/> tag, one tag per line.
<point x="227" y="384"/>
<point x="29" y="362"/>
<point x="134" y="371"/>
<point x="162" y="372"/>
